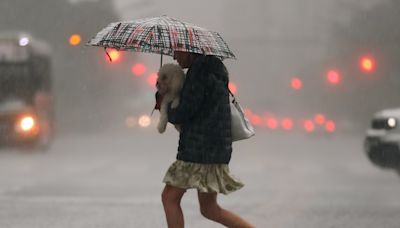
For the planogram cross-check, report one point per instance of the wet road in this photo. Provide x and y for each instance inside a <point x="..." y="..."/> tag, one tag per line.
<point x="113" y="179"/>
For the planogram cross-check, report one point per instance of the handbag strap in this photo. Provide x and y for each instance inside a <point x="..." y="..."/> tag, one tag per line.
<point x="233" y="96"/>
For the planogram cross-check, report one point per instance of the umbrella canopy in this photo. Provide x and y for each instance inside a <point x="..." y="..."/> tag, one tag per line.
<point x="162" y="35"/>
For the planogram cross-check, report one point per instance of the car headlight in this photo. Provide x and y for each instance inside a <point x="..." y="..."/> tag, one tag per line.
<point x="27" y="124"/>
<point x="391" y="122"/>
<point x="23" y="41"/>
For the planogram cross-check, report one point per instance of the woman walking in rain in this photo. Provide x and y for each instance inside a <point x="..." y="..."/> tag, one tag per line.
<point x="205" y="142"/>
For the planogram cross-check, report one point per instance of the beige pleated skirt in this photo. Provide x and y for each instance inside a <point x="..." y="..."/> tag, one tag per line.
<point x="205" y="178"/>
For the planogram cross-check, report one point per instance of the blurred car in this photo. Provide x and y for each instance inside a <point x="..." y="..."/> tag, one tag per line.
<point x="382" y="139"/>
<point x="26" y="107"/>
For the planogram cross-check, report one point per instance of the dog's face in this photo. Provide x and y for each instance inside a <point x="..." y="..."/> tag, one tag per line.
<point x="163" y="82"/>
<point x="170" y="78"/>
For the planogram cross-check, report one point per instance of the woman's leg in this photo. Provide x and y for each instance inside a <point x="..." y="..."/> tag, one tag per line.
<point x="210" y="209"/>
<point x="171" y="199"/>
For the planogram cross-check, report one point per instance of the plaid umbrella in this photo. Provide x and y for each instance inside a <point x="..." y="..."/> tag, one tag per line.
<point x="162" y="35"/>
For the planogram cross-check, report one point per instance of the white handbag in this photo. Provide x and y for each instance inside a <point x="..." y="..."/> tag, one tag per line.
<point x="241" y="126"/>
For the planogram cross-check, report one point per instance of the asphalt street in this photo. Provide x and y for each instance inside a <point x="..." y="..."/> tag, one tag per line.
<point x="113" y="180"/>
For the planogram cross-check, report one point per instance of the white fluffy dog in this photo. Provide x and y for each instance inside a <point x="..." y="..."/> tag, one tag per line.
<point x="169" y="84"/>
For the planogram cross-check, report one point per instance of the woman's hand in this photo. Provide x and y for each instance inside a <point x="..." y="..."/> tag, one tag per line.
<point x="159" y="99"/>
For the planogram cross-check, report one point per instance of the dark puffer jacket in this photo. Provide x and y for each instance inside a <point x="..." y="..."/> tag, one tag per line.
<point x="204" y="113"/>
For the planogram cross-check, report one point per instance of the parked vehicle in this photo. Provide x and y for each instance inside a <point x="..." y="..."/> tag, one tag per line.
<point x="383" y="139"/>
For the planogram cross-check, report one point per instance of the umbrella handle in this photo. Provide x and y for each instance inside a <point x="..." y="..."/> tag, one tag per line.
<point x="161" y="60"/>
<point x="105" y="49"/>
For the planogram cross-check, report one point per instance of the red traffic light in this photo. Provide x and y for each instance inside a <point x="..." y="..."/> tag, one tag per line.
<point x="367" y="64"/>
